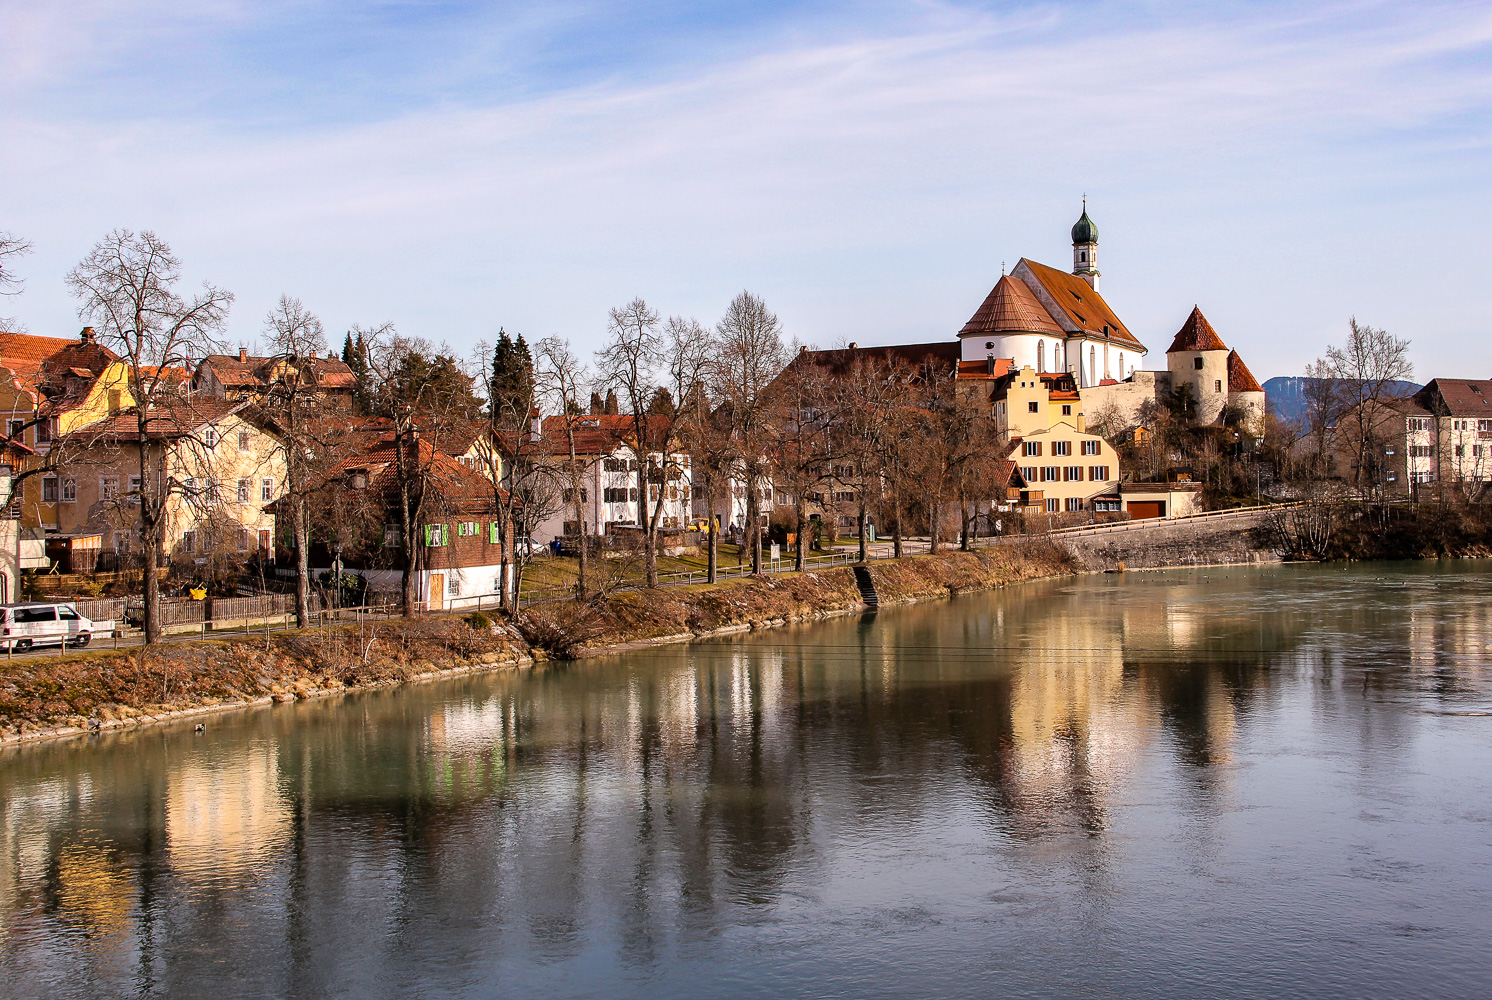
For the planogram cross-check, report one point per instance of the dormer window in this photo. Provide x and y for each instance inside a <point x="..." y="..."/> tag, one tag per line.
<point x="359" y="481"/>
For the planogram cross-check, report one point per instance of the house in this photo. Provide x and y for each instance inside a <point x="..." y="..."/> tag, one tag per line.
<point x="220" y="460"/>
<point x="608" y="454"/>
<point x="246" y="376"/>
<point x="1041" y="416"/>
<point x="460" y="537"/>
<point x="1440" y="435"/>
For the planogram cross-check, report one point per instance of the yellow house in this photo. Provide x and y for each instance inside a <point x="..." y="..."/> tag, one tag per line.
<point x="1043" y="417"/>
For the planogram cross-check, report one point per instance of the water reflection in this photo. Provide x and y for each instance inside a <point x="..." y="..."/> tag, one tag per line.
<point x="1066" y="779"/>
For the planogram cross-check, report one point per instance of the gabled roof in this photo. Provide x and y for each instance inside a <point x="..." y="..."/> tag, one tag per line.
<point x="597" y="433"/>
<point x="23" y="353"/>
<point x="1240" y="379"/>
<point x="840" y="360"/>
<point x="457" y="485"/>
<point x="1196" y="334"/>
<point x="1079" y="302"/>
<point x="1011" y="307"/>
<point x="1458" y="397"/>
<point x="234" y="371"/>
<point x="177" y="419"/>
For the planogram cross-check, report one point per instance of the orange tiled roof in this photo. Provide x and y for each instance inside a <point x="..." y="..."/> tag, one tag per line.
<point x="1010" y="307"/>
<point x="1240" y="379"/>
<point x="1081" y="302"/>
<point x="23" y="353"/>
<point x="981" y="369"/>
<point x="1196" y="334"/>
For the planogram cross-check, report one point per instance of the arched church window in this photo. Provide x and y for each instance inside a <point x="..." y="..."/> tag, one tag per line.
<point x="1041" y="355"/>
<point x="1093" y="365"/>
<point x="1121" y="366"/>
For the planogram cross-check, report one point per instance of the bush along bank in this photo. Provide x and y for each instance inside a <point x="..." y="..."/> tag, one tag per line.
<point x="1371" y="531"/>
<point x="571" y="629"/>
<point x="104" y="690"/>
<point x="100" y="690"/>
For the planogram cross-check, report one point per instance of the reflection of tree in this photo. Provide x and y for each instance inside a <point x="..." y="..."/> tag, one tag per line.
<point x="644" y="801"/>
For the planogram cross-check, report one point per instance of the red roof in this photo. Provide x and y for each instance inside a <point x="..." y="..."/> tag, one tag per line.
<point x="598" y="433"/>
<point x="1011" y="307"/>
<point x="1459" y="397"/>
<point x="1240" y="379"/>
<point x="981" y="369"/>
<point x="1196" y="334"/>
<point x="1082" y="304"/>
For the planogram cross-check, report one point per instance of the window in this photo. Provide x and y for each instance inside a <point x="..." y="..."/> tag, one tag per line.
<point x="108" y="487"/>
<point x="243" y="439"/>
<point x="494" y="533"/>
<point x="1419" y="423"/>
<point x="1031" y="449"/>
<point x="49" y="489"/>
<point x="1098" y="473"/>
<point x="1121" y="364"/>
<point x="466" y="529"/>
<point x="69" y="491"/>
<point x="1041" y="355"/>
<point x="134" y="489"/>
<point x="1106" y="505"/>
<point x="1460" y="453"/>
<point x="43" y="431"/>
<point x="188" y="541"/>
<point x="1061" y="448"/>
<point x="1051" y="474"/>
<point x="1067" y="409"/>
<point x="392" y="536"/>
<point x="1217" y="385"/>
<point x="1074" y="503"/>
<point x="1476" y="451"/>
<point x="1197" y="362"/>
<point x="67" y="615"/>
<point x="1090" y="448"/>
<point x="266" y="489"/>
<point x="16" y="430"/>
<point x="1485" y="426"/>
<point x="453" y="586"/>
<point x="1073" y="474"/>
<point x="210" y="437"/>
<point x="569" y="495"/>
<point x="245" y="490"/>
<point x="1032" y="407"/>
<point x="1420" y="451"/>
<point x="21" y="615"/>
<point x="1053" y="505"/>
<point x="436" y="535"/>
<point x="1028" y="473"/>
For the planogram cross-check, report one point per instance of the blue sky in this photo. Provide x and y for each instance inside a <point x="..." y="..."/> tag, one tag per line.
<point x="866" y="168"/>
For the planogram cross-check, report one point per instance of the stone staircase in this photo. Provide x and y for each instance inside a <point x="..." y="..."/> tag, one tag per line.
<point x="867" y="588"/>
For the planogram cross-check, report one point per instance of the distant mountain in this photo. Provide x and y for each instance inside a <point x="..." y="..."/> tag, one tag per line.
<point x="1286" y="394"/>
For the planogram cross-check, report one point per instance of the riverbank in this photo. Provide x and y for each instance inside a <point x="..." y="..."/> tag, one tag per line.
<point x="102" y="690"/>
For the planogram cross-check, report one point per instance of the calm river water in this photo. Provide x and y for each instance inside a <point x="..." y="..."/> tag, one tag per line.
<point x="1220" y="783"/>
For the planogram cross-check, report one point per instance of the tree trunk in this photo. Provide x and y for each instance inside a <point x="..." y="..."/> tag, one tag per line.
<point x="864" y="543"/>
<point x="963" y="513"/>
<point x="411" y="547"/>
<point x="580" y="530"/>
<point x="932" y="526"/>
<point x="800" y="513"/>
<point x="896" y="522"/>
<point x="302" y="564"/>
<point x="151" y="556"/>
<point x="712" y="564"/>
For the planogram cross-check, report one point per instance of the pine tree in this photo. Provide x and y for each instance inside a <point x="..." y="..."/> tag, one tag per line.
<point x="512" y="378"/>
<point x="347" y="351"/>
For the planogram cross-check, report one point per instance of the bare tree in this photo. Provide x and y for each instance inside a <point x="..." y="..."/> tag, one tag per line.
<point x="12" y="248"/>
<point x="1367" y="368"/>
<point x="295" y="338"/>
<point x="127" y="289"/>
<point x="805" y="446"/>
<point x="563" y="380"/>
<point x="751" y="356"/>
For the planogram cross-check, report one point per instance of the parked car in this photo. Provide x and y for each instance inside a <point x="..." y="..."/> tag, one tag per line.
<point x="43" y="624"/>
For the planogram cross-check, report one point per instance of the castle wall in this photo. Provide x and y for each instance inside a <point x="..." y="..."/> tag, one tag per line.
<point x="1127" y="397"/>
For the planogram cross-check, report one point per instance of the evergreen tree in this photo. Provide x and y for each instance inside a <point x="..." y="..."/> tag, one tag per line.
<point x="512" y="378"/>
<point x="347" y="351"/>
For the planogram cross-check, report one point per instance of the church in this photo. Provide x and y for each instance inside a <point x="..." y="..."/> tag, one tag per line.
<point x="1058" y="324"/>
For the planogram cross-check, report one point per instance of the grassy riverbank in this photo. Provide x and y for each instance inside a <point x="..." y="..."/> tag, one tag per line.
<point x="104" y="690"/>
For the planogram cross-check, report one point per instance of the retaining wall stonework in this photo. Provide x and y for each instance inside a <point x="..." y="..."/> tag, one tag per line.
<point x="1160" y="544"/>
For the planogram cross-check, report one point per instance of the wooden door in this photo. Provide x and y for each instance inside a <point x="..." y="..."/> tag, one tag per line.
<point x="1140" y="510"/>
<point x="437" y="591"/>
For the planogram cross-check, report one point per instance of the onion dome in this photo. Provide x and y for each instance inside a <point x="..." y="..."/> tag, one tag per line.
<point x="1084" y="231"/>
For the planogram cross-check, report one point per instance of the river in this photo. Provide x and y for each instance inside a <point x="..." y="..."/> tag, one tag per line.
<point x="1224" y="783"/>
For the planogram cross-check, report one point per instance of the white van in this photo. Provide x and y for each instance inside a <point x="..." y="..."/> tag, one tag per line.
<point x="25" y="625"/>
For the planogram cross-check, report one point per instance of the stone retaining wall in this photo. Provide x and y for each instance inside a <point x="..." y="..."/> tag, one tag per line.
<point x="1161" y="544"/>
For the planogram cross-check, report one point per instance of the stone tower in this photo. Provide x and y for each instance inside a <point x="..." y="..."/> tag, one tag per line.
<point x="1085" y="249"/>
<point x="1198" y="358"/>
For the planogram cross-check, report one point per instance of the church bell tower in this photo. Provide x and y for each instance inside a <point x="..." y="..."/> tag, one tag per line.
<point x="1085" y="249"/>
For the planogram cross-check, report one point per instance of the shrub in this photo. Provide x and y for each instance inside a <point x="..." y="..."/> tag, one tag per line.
<point x="477" y="620"/>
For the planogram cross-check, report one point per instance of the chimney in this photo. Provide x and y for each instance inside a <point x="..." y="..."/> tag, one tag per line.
<point x="88" y="335"/>
<point x="243" y="355"/>
<point x="853" y="345"/>
<point x="597" y="407"/>
<point x="990" y="365"/>
<point x="535" y="425"/>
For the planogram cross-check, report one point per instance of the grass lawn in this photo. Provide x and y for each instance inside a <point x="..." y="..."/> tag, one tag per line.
<point x="548" y="573"/>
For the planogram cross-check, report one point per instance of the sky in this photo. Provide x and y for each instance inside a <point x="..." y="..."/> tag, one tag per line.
<point x="866" y="168"/>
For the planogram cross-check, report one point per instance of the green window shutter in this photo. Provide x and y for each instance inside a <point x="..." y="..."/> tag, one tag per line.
<point x="493" y="533"/>
<point x="429" y="535"/>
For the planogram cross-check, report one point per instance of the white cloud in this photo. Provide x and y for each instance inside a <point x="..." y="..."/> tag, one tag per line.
<point x="867" y="186"/>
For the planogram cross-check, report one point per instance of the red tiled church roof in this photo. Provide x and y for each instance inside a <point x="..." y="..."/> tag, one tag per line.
<point x="1240" y="379"/>
<point x="1080" y="301"/>
<point x="1196" y="334"/>
<point x="1010" y="307"/>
